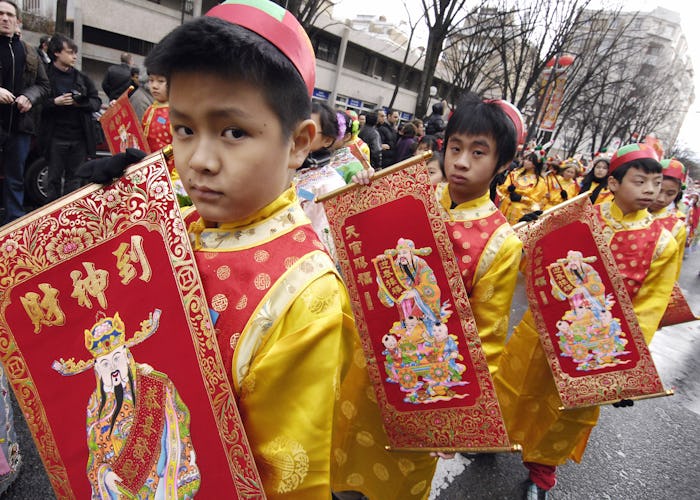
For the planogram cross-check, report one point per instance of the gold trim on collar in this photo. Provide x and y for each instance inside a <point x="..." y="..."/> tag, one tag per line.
<point x="618" y="222"/>
<point x="477" y="208"/>
<point x="216" y="239"/>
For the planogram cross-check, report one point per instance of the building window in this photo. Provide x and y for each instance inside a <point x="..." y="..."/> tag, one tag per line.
<point x="326" y="49"/>
<point x="116" y="41"/>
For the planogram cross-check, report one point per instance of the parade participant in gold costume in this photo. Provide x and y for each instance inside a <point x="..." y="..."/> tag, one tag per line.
<point x="643" y="250"/>
<point x="561" y="185"/>
<point x="481" y="137"/>
<point x="665" y="206"/>
<point x="524" y="190"/>
<point x="595" y="181"/>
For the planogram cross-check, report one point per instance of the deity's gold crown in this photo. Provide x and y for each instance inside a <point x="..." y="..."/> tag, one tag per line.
<point x="105" y="336"/>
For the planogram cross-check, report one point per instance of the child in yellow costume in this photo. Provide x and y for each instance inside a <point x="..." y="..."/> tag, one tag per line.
<point x="481" y="137"/>
<point x="665" y="205"/>
<point x="561" y="184"/>
<point x="524" y="382"/>
<point x="524" y="190"/>
<point x="595" y="181"/>
<point x="240" y="81"/>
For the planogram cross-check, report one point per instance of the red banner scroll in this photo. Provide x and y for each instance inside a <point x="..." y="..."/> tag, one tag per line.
<point x="583" y="312"/>
<point x="678" y="311"/>
<point x="123" y="388"/>
<point x="411" y="308"/>
<point x="122" y="127"/>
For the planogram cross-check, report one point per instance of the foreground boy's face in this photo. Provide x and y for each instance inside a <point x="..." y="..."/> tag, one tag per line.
<point x="470" y="164"/>
<point x="669" y="190"/>
<point x="229" y="149"/>
<point x="637" y="191"/>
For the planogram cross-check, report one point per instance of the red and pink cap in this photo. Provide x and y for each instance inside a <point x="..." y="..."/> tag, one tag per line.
<point x="673" y="168"/>
<point x="632" y="152"/>
<point x="278" y="26"/>
<point x="515" y="116"/>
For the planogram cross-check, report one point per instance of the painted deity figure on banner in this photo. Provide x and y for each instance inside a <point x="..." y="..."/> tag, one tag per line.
<point x="137" y="425"/>
<point x="587" y="332"/>
<point x="420" y="354"/>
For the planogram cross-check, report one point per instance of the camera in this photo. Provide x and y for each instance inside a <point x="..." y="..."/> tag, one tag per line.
<point x="77" y="95"/>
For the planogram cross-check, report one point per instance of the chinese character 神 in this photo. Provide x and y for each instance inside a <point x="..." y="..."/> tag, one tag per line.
<point x="95" y="283"/>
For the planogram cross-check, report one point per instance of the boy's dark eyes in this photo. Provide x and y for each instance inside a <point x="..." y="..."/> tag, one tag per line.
<point x="182" y="130"/>
<point x="233" y="133"/>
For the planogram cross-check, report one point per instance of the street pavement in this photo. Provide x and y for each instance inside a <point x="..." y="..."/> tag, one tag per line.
<point x="646" y="452"/>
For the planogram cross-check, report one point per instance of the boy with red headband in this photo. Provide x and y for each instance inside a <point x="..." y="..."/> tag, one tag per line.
<point x="643" y="250"/>
<point x="665" y="208"/>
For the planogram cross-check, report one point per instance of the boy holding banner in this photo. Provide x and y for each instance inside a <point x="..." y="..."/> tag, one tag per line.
<point x="481" y="137"/>
<point x="642" y="250"/>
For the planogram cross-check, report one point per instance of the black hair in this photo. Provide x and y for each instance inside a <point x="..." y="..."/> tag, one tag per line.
<point x="328" y="119"/>
<point x="646" y="165"/>
<point x="537" y="162"/>
<point x="590" y="177"/>
<point x="440" y="158"/>
<point x="473" y="116"/>
<point x="44" y="39"/>
<point x="431" y="141"/>
<point x="408" y="130"/>
<point x="56" y="45"/>
<point x="214" y="46"/>
<point x="371" y="119"/>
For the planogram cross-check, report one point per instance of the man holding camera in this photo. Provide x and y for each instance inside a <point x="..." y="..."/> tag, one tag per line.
<point x="67" y="130"/>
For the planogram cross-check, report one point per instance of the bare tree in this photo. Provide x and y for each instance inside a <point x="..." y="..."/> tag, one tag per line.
<point x="307" y="11"/>
<point x="441" y="18"/>
<point x="404" y="68"/>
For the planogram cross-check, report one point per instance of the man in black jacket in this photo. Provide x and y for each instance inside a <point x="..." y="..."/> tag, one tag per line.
<point x="23" y="83"/>
<point x="387" y="128"/>
<point x="67" y="129"/>
<point x="118" y="77"/>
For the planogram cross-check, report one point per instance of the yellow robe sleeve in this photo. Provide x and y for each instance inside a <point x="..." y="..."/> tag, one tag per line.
<point x="288" y="397"/>
<point x="680" y="233"/>
<point x="650" y="302"/>
<point x="492" y="293"/>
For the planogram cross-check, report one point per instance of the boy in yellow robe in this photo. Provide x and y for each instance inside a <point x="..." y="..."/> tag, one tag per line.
<point x="524" y="383"/>
<point x="480" y="137"/>
<point x="665" y="205"/>
<point x="240" y="81"/>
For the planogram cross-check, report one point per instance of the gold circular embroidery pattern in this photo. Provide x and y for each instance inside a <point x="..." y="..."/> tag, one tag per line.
<point x="348" y="409"/>
<point x="380" y="471"/>
<point x="355" y="479"/>
<point x="261" y="256"/>
<point x="290" y="462"/>
<point x="299" y="236"/>
<point x="340" y="456"/>
<point x="406" y="466"/>
<point x="365" y="438"/>
<point x="223" y="273"/>
<point x="290" y="261"/>
<point x="359" y="358"/>
<point x="419" y="488"/>
<point x="262" y="281"/>
<point x="219" y="302"/>
<point x="242" y="302"/>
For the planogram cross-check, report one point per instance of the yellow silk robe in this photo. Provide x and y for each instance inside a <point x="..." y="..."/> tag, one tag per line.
<point x="294" y="351"/>
<point x="524" y="382"/>
<point x="675" y="222"/>
<point x="533" y="194"/>
<point x="490" y="279"/>
<point x="555" y="185"/>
